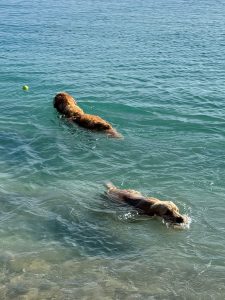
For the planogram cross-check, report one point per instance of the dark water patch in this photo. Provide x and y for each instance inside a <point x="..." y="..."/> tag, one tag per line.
<point x="29" y="218"/>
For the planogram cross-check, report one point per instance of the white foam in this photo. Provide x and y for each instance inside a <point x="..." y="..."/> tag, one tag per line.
<point x="185" y="225"/>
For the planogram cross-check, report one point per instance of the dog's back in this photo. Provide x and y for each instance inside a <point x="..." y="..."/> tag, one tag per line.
<point x="131" y="197"/>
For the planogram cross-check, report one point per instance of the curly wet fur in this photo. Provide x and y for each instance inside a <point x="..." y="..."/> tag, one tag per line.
<point x="67" y="106"/>
<point x="147" y="205"/>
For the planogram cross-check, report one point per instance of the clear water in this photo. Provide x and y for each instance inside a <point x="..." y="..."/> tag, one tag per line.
<point x="155" y="70"/>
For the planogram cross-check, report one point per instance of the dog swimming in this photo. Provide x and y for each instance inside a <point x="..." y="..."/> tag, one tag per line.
<point x="150" y="206"/>
<point x="67" y="106"/>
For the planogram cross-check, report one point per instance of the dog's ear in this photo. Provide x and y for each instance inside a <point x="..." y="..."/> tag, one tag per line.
<point x="172" y="206"/>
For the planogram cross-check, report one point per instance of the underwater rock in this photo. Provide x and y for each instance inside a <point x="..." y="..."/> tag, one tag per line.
<point x="31" y="295"/>
<point x="38" y="266"/>
<point x="18" y="264"/>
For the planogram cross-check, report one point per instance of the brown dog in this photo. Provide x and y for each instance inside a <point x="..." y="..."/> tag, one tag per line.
<point x="67" y="106"/>
<point x="147" y="205"/>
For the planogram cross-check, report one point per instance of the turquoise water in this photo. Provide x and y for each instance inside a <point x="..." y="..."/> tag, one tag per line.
<point x="155" y="70"/>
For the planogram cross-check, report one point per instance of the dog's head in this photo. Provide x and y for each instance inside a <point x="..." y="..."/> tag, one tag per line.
<point x="63" y="99"/>
<point x="67" y="105"/>
<point x="169" y="212"/>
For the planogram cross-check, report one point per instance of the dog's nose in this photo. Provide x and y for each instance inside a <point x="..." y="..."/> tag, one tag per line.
<point x="179" y="219"/>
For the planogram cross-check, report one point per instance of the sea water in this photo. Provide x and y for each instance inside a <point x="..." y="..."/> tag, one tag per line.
<point x="155" y="70"/>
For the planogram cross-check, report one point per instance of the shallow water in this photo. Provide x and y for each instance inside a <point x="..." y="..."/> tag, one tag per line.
<point x="155" y="70"/>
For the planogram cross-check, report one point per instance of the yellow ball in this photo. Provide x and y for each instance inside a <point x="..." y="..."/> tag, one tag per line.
<point x="25" y="87"/>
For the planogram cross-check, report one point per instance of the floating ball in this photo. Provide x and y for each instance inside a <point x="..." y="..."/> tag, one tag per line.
<point x="25" y="87"/>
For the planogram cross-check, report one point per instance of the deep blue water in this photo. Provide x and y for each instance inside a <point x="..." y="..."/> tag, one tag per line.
<point x="155" y="70"/>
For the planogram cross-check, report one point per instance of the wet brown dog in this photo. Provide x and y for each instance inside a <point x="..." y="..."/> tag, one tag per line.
<point x="147" y="205"/>
<point x="67" y="106"/>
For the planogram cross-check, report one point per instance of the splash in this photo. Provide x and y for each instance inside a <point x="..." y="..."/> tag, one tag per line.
<point x="181" y="226"/>
<point x="129" y="216"/>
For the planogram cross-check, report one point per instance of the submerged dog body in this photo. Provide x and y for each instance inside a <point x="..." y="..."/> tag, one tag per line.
<point x="67" y="106"/>
<point x="147" y="205"/>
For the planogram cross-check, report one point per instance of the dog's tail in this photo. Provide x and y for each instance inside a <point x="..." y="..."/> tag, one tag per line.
<point x="113" y="133"/>
<point x="109" y="185"/>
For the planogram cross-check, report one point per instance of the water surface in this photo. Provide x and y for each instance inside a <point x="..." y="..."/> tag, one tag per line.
<point x="155" y="70"/>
